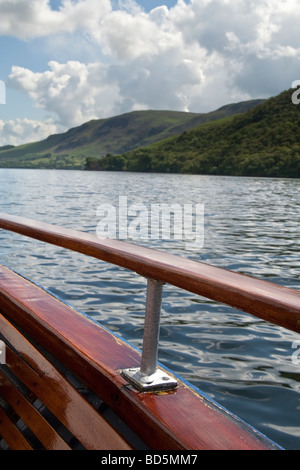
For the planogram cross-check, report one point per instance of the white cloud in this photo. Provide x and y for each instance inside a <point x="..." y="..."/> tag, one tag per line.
<point x="128" y="37"/>
<point x="21" y="131"/>
<point x="35" y="18"/>
<point x="74" y="91"/>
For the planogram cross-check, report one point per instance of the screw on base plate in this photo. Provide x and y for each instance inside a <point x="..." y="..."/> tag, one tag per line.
<point x="154" y="382"/>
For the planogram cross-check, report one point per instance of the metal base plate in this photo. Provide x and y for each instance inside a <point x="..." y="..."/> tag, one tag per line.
<point x="155" y="382"/>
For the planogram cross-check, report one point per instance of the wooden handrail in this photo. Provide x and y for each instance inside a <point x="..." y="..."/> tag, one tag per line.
<point x="183" y="419"/>
<point x="263" y="299"/>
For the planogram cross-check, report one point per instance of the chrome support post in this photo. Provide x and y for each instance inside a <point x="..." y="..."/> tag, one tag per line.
<point x="152" y="327"/>
<point x="148" y="376"/>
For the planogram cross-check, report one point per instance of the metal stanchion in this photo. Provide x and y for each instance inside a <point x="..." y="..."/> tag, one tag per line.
<point x="148" y="376"/>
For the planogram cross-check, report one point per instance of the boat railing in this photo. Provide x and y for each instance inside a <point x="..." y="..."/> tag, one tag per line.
<point x="268" y="301"/>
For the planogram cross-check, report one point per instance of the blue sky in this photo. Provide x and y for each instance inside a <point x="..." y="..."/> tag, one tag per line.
<point x="65" y="62"/>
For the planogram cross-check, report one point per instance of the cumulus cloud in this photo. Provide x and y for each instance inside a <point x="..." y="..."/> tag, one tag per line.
<point x="196" y="56"/>
<point x="35" y="18"/>
<point x="18" y="131"/>
<point x="74" y="91"/>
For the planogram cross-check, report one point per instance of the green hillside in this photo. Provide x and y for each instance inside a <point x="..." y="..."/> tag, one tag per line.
<point x="115" y="135"/>
<point x="263" y="141"/>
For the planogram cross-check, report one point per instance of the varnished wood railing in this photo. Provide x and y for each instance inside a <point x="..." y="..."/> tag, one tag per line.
<point x="268" y="301"/>
<point x="50" y="347"/>
<point x="61" y="332"/>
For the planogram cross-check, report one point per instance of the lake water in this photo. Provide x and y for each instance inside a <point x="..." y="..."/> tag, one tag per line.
<point x="251" y="225"/>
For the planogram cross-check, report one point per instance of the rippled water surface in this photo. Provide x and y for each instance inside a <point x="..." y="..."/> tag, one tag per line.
<point x="251" y="226"/>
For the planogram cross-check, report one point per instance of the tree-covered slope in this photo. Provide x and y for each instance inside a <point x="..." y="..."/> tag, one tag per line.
<point x="263" y="141"/>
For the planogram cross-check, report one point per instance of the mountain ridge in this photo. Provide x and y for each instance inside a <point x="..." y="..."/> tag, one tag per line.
<point x="115" y="135"/>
